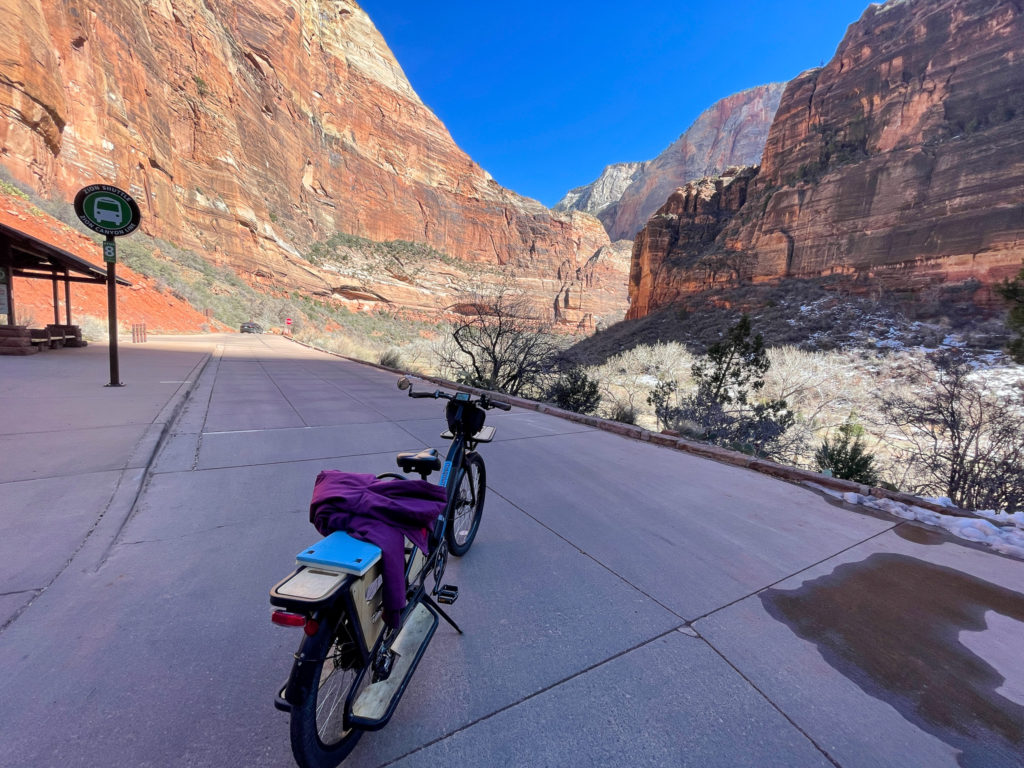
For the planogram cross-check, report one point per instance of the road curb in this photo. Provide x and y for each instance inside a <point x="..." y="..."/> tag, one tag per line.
<point x="104" y="534"/>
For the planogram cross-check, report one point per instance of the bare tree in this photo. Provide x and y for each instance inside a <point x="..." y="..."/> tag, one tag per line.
<point x="962" y="442"/>
<point x="499" y="344"/>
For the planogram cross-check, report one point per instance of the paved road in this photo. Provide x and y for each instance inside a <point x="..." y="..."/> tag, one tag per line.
<point x="623" y="603"/>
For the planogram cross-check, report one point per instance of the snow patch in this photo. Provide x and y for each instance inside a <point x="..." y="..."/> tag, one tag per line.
<point x="1001" y="532"/>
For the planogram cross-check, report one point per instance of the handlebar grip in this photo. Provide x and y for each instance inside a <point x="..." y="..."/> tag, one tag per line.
<point x="501" y="405"/>
<point x="423" y="394"/>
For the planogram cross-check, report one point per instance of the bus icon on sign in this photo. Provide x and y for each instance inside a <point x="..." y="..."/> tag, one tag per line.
<point x="107" y="210"/>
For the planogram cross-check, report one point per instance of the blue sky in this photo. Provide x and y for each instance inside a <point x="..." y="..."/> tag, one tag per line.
<point x="545" y="94"/>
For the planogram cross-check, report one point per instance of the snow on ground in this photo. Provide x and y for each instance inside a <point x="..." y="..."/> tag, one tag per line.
<point x="999" y="531"/>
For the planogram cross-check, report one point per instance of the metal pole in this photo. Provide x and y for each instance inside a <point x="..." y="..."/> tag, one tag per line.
<point x="109" y="256"/>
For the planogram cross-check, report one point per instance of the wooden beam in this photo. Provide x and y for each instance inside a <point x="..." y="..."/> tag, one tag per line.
<point x="67" y="297"/>
<point x="6" y="259"/>
<point x="56" y="301"/>
<point x="46" y="276"/>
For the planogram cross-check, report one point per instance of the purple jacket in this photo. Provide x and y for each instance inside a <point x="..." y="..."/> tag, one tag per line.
<point x="382" y="512"/>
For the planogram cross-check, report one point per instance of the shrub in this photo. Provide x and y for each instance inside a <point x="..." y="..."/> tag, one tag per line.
<point x="622" y="411"/>
<point x="390" y="358"/>
<point x="662" y="398"/>
<point x="846" y="457"/>
<point x="575" y="391"/>
<point x="1013" y="292"/>
<point x="959" y="441"/>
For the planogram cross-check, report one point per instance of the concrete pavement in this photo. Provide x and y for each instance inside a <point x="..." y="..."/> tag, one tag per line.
<point x="623" y="602"/>
<point x="75" y="451"/>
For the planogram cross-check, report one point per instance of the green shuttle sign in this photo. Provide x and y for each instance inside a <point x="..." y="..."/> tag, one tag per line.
<point x="107" y="210"/>
<point x="111" y="212"/>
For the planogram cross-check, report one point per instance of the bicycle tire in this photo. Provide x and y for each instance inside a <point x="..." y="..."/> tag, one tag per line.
<point x="317" y="720"/>
<point x="467" y="507"/>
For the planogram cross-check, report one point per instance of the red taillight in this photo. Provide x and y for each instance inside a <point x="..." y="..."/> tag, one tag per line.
<point x="286" y="619"/>
<point x="312" y="626"/>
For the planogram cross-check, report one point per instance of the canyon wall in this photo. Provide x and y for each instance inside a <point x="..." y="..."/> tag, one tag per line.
<point x="249" y="131"/>
<point x="730" y="132"/>
<point x="896" y="168"/>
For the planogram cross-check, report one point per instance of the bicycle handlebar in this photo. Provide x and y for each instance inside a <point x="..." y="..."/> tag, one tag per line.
<point x="483" y="402"/>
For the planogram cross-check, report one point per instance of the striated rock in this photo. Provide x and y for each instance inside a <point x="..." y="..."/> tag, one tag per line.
<point x="664" y="266"/>
<point x="897" y="168"/>
<point x="731" y="132"/>
<point x="249" y="131"/>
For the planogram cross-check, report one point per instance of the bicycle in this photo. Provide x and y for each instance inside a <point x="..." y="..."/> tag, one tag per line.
<point x="351" y="670"/>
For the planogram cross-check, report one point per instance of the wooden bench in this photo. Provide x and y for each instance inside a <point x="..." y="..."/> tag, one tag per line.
<point x="40" y="337"/>
<point x="65" y="336"/>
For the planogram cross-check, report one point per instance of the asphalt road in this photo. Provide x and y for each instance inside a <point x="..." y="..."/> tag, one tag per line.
<point x="624" y="604"/>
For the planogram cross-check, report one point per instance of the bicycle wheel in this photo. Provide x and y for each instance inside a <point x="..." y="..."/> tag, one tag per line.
<point x="468" y="505"/>
<point x="319" y="737"/>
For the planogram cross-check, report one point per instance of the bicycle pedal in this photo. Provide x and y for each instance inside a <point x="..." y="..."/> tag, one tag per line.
<point x="447" y="594"/>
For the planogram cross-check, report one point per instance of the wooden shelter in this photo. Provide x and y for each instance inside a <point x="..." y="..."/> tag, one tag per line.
<point x="22" y="255"/>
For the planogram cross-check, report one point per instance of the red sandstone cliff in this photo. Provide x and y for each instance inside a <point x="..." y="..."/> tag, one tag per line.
<point x="897" y="167"/>
<point x="247" y="131"/>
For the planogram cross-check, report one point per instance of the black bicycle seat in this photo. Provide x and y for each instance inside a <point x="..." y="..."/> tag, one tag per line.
<point x="422" y="463"/>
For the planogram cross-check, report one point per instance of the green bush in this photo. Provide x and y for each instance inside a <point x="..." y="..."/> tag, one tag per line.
<point x="722" y="411"/>
<point x="845" y="456"/>
<point x="575" y="391"/>
<point x="1013" y="292"/>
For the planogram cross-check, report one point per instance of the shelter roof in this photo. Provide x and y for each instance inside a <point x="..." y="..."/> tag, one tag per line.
<point x="33" y="254"/>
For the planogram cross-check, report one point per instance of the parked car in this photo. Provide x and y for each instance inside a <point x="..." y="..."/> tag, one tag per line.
<point x="251" y="328"/>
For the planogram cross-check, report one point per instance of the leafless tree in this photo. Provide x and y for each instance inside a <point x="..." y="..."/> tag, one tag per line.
<point x="962" y="442"/>
<point x="499" y="343"/>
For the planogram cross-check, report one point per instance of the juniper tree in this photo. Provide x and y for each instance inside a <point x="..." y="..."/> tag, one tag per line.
<point x="1013" y="292"/>
<point x="723" y="409"/>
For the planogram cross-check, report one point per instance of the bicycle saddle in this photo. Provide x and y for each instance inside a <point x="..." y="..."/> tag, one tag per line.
<point x="422" y="463"/>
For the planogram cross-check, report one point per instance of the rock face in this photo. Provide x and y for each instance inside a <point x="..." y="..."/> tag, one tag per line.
<point x="896" y="168"/>
<point x="688" y="224"/>
<point x="248" y="131"/>
<point x="595" y="197"/>
<point x="731" y="132"/>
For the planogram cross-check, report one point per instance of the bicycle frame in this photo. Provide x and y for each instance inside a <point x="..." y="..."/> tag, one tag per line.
<point x="341" y="620"/>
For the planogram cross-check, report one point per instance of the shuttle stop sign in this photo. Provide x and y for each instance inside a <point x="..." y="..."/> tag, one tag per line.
<point x="107" y="210"/>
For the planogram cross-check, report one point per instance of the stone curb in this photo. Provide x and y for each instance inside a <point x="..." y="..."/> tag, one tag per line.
<point x="704" y="450"/>
<point x="119" y="510"/>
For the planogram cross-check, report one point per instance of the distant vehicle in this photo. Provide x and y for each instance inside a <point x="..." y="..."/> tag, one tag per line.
<point x="251" y="328"/>
<point x="106" y="210"/>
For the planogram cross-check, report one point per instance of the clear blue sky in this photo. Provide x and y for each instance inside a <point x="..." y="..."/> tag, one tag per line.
<point x="543" y="95"/>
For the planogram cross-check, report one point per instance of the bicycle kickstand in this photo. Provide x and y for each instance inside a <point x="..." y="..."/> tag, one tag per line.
<point x="428" y="599"/>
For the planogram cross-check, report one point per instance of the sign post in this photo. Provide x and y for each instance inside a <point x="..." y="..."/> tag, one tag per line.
<point x="110" y="212"/>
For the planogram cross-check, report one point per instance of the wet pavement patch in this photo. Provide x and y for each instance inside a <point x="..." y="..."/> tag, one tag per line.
<point x="892" y="624"/>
